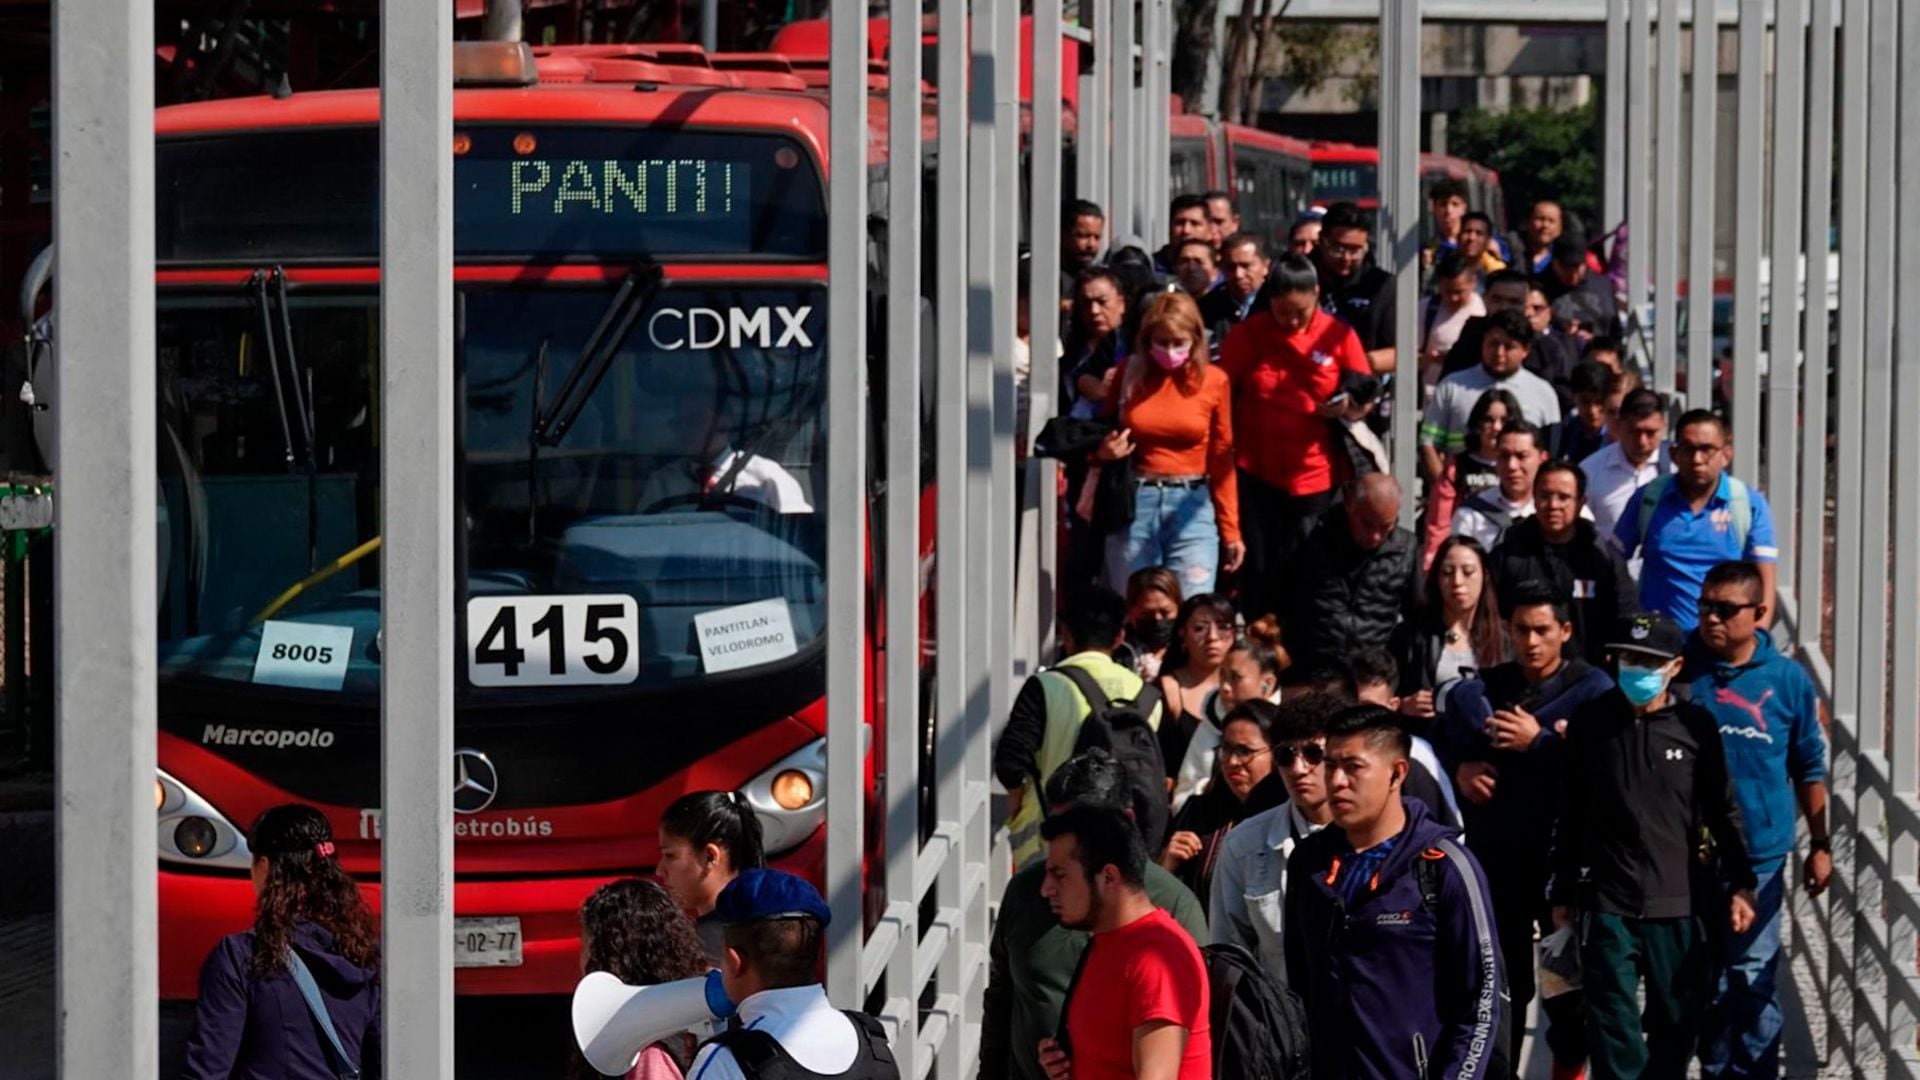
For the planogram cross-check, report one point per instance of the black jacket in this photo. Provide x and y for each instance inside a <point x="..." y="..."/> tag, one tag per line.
<point x="1366" y="303"/>
<point x="1586" y="568"/>
<point x="1648" y="824"/>
<point x="1219" y="312"/>
<point x="1509" y="833"/>
<point x="1341" y="599"/>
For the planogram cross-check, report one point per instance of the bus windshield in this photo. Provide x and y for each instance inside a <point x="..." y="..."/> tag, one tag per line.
<point x="670" y="532"/>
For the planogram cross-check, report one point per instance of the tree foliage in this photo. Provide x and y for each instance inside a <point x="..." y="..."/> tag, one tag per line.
<point x="1544" y="153"/>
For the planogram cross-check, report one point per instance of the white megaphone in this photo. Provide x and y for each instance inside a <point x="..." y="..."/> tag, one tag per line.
<point x="613" y="1022"/>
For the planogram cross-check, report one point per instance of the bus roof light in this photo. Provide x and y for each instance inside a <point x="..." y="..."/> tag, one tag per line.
<point x="494" y="63"/>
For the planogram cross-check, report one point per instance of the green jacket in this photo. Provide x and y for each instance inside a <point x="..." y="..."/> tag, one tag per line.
<point x="1031" y="961"/>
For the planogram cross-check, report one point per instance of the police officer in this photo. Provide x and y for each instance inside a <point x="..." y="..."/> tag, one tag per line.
<point x="783" y="1026"/>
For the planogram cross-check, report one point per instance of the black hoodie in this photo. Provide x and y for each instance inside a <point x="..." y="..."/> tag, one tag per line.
<point x="1586" y="568"/>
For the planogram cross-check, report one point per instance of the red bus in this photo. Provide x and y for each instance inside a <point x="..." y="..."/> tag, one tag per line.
<point x="1344" y="172"/>
<point x="1270" y="175"/>
<point x="640" y="344"/>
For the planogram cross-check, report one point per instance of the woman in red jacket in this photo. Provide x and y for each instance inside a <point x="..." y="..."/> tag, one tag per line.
<point x="1285" y="363"/>
<point x="1174" y="418"/>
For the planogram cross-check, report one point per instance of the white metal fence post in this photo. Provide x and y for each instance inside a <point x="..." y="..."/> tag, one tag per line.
<point x="1904" y="727"/>
<point x="1400" y="221"/>
<point x="1873" y="825"/>
<point x="1666" y="197"/>
<point x="1095" y="177"/>
<point x="1639" y="147"/>
<point x="105" y="697"/>
<point x="1613" y="195"/>
<point x="1123" y="143"/>
<point x="1853" y="803"/>
<point x="417" y="521"/>
<point x="1783" y="310"/>
<point x="846" y="498"/>
<point x="1043" y="321"/>
<point x="904" y="718"/>
<point x="944" y="1027"/>
<point x="1748" y="238"/>
<point x="1703" y="162"/>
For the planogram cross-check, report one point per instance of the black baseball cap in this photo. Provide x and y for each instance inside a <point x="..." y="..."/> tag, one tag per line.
<point x="1652" y="635"/>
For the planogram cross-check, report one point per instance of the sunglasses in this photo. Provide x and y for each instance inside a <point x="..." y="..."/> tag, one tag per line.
<point x="1722" y="610"/>
<point x="1313" y="753"/>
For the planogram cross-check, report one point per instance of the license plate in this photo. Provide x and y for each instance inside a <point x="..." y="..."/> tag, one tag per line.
<point x="486" y="942"/>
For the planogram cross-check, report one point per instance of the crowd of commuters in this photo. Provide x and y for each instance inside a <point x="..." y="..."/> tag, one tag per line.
<point x="1378" y="786"/>
<point x="1539" y="745"/>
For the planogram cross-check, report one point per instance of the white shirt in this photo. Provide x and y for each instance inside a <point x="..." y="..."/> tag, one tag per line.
<point x="805" y="1024"/>
<point x="760" y="480"/>
<point x="1250" y="883"/>
<point x="1612" y="480"/>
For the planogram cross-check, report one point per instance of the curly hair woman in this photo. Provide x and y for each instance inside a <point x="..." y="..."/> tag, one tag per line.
<point x="636" y="931"/>
<point x="252" y="1022"/>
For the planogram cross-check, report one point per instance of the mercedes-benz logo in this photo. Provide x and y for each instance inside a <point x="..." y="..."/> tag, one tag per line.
<point x="474" y="781"/>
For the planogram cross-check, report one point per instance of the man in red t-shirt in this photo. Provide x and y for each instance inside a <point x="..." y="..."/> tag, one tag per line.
<point x="1137" y="1009"/>
<point x="1285" y="363"/>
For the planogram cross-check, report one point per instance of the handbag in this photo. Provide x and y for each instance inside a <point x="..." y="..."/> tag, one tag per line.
<point x="303" y="979"/>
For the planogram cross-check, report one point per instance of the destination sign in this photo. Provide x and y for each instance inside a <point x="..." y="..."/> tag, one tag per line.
<point x="529" y="192"/>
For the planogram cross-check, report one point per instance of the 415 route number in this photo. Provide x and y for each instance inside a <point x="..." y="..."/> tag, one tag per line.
<point x="553" y="640"/>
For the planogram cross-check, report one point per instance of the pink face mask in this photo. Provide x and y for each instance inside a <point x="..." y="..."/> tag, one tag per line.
<point x="1169" y="359"/>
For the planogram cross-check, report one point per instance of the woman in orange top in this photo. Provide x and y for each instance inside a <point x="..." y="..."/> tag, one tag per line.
<point x="1175" y="420"/>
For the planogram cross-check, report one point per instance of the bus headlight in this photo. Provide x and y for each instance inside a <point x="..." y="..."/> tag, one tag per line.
<point x="792" y="789"/>
<point x="790" y="796"/>
<point x="193" y="833"/>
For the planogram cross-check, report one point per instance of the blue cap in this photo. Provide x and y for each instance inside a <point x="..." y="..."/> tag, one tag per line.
<point x="757" y="895"/>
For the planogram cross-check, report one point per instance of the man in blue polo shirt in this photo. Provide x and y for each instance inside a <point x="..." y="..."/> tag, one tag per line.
<point x="1686" y="524"/>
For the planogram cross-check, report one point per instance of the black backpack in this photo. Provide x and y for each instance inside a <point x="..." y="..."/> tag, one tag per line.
<point x="1259" y="1026"/>
<point x="761" y="1057"/>
<point x="1121" y="728"/>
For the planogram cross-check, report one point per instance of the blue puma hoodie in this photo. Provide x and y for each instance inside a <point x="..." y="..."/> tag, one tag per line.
<point x="1769" y="720"/>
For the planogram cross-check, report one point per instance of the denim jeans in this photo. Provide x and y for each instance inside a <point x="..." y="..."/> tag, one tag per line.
<point x="1741" y="1036"/>
<point x="1172" y="527"/>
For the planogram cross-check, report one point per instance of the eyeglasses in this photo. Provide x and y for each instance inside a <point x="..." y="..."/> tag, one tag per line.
<point x="1723" y="610"/>
<point x="1311" y="753"/>
<point x="1694" y="449"/>
<point x="1207" y="629"/>
<point x="1235" y="752"/>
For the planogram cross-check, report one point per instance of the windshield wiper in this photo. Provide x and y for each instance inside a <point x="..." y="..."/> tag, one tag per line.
<point x="642" y="284"/>
<point x="533" y="446"/>
<point x="278" y="333"/>
<point x="257" y="290"/>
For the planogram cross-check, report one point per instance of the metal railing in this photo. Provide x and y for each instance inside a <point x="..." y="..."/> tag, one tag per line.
<point x="926" y="958"/>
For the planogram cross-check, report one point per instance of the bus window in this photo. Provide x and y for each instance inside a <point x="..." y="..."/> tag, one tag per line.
<point x="1188" y="166"/>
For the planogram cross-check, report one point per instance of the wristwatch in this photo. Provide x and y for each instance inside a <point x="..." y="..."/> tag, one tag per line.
<point x="1821" y="843"/>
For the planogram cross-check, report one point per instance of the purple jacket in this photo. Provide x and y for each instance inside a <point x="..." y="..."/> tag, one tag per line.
<point x="249" y="1027"/>
<point x="1396" y="988"/>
